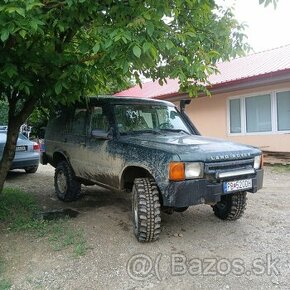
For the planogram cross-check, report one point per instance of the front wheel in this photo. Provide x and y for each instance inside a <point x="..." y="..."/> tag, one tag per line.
<point x="231" y="206"/>
<point x="67" y="188"/>
<point x="146" y="210"/>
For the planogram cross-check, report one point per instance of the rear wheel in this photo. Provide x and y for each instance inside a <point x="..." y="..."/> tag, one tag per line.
<point x="231" y="206"/>
<point x="146" y="210"/>
<point x="31" y="169"/>
<point x="67" y="188"/>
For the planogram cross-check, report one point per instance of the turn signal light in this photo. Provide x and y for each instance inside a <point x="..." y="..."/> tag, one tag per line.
<point x="176" y="171"/>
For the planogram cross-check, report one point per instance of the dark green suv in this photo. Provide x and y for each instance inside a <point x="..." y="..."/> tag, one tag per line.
<point x="151" y="149"/>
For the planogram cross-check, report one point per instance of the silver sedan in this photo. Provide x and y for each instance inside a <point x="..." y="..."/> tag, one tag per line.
<point x="26" y="155"/>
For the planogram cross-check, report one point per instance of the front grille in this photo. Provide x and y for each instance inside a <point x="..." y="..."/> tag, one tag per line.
<point x="212" y="170"/>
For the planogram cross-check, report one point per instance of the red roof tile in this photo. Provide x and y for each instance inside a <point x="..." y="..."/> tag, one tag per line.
<point x="242" y="68"/>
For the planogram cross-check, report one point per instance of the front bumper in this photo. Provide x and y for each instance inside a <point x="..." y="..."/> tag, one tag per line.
<point x="201" y="191"/>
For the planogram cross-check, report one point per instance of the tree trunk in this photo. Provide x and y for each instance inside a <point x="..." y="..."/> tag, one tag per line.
<point x="9" y="151"/>
<point x="14" y="123"/>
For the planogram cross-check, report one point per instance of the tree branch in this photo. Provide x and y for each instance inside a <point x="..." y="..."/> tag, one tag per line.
<point x="90" y="57"/>
<point x="53" y="4"/>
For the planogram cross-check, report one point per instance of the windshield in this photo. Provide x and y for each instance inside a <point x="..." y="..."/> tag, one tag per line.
<point x="148" y="117"/>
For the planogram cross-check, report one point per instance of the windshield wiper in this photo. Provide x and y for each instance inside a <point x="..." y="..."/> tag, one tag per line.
<point x="153" y="131"/>
<point x="175" y="130"/>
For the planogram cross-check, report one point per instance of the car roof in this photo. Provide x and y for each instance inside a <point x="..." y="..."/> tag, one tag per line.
<point x="127" y="100"/>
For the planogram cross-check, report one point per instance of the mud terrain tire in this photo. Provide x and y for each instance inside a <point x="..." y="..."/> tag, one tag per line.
<point x="146" y="210"/>
<point x="231" y="207"/>
<point x="67" y="188"/>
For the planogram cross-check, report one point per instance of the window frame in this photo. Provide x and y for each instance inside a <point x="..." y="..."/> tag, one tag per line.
<point x="73" y="119"/>
<point x="274" y="114"/>
<point x="276" y="109"/>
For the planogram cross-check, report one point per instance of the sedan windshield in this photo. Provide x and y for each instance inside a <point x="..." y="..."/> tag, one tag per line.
<point x="149" y="118"/>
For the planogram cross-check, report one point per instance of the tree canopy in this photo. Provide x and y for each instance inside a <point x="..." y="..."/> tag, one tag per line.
<point x="60" y="50"/>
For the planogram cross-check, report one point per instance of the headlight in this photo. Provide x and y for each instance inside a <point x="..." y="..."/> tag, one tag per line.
<point x="179" y="171"/>
<point x="258" y="162"/>
<point x="193" y="170"/>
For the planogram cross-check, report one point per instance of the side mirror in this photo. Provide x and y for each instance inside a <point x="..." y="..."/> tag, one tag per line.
<point x="183" y="103"/>
<point x="102" y="134"/>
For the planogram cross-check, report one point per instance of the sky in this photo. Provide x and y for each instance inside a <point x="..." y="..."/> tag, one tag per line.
<point x="267" y="27"/>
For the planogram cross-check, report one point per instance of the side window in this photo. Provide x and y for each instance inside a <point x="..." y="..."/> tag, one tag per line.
<point x="99" y="120"/>
<point x="79" y="122"/>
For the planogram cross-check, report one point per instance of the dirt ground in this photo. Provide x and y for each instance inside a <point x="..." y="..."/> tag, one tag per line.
<point x="196" y="250"/>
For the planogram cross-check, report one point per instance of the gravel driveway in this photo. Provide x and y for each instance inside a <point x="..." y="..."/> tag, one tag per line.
<point x="196" y="250"/>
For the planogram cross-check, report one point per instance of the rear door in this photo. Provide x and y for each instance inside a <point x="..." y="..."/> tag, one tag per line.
<point x="74" y="143"/>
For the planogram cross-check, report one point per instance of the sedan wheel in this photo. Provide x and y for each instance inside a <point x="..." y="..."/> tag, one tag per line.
<point x="31" y="169"/>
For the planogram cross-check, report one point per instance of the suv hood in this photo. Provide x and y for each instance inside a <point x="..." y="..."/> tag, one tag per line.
<point x="193" y="147"/>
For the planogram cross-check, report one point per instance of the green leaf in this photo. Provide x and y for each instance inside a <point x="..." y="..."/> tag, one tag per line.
<point x="10" y="70"/>
<point x="190" y="33"/>
<point x="34" y="24"/>
<point x="17" y="10"/>
<point x="124" y="39"/>
<point x="27" y="90"/>
<point x="137" y="51"/>
<point x="22" y="33"/>
<point x="108" y="43"/>
<point x="4" y="35"/>
<point x="153" y="52"/>
<point x="125" y="67"/>
<point x="84" y="47"/>
<point x="96" y="48"/>
<point x="58" y="88"/>
<point x="146" y="46"/>
<point x="150" y="28"/>
<point x="147" y="16"/>
<point x="169" y="44"/>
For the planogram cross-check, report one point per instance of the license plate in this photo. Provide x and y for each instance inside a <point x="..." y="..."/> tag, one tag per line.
<point x="238" y="185"/>
<point x="20" y="148"/>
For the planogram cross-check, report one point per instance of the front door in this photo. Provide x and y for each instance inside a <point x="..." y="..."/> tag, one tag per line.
<point x="98" y="157"/>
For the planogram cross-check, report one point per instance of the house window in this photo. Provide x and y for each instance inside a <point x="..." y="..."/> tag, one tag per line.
<point x="283" y="111"/>
<point x="267" y="113"/>
<point x="235" y="116"/>
<point x="258" y="114"/>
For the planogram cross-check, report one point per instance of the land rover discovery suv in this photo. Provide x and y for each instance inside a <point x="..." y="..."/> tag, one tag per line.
<point x="150" y="148"/>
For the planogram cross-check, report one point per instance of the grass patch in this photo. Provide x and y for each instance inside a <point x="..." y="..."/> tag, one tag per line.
<point x="63" y="235"/>
<point x="17" y="211"/>
<point x="279" y="168"/>
<point x="5" y="284"/>
<point x="17" y="208"/>
<point x="1" y="267"/>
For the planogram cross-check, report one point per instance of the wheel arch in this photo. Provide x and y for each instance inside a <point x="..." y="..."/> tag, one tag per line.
<point x="129" y="174"/>
<point x="59" y="156"/>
